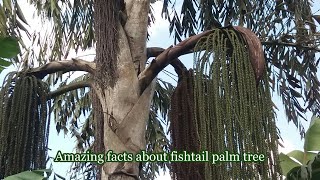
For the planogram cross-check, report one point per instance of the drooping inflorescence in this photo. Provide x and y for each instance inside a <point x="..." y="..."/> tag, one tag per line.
<point x="231" y="110"/>
<point x="184" y="128"/>
<point x="24" y="125"/>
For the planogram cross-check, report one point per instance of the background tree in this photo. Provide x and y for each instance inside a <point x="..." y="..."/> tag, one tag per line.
<point x="121" y="92"/>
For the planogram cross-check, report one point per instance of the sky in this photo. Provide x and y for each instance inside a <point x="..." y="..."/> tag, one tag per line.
<point x="159" y="32"/>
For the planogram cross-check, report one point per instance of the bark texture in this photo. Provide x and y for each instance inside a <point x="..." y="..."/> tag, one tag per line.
<point x="125" y="108"/>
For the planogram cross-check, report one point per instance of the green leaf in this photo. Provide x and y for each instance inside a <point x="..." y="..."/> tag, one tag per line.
<point x="316" y="167"/>
<point x="299" y="155"/>
<point x="26" y="175"/>
<point x="4" y="63"/>
<point x="293" y="173"/>
<point x="9" y="47"/>
<point x="41" y="171"/>
<point x="312" y="142"/>
<point x="287" y="163"/>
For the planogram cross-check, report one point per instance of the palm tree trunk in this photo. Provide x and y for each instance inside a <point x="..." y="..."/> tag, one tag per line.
<point x="120" y="56"/>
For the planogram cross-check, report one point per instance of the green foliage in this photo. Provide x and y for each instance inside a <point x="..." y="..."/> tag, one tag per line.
<point x="306" y="164"/>
<point x="69" y="106"/>
<point x="310" y="170"/>
<point x="287" y="163"/>
<point x="31" y="175"/>
<point x="312" y="142"/>
<point x="270" y="19"/>
<point x="9" y="48"/>
<point x="72" y="27"/>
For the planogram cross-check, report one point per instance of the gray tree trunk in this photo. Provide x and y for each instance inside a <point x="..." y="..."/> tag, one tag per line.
<point x="124" y="107"/>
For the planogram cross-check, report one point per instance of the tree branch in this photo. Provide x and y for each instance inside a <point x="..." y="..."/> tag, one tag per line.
<point x="166" y="57"/>
<point x="70" y="87"/>
<point x="178" y="66"/>
<point x="155" y="51"/>
<point x="176" y="63"/>
<point x="65" y="66"/>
